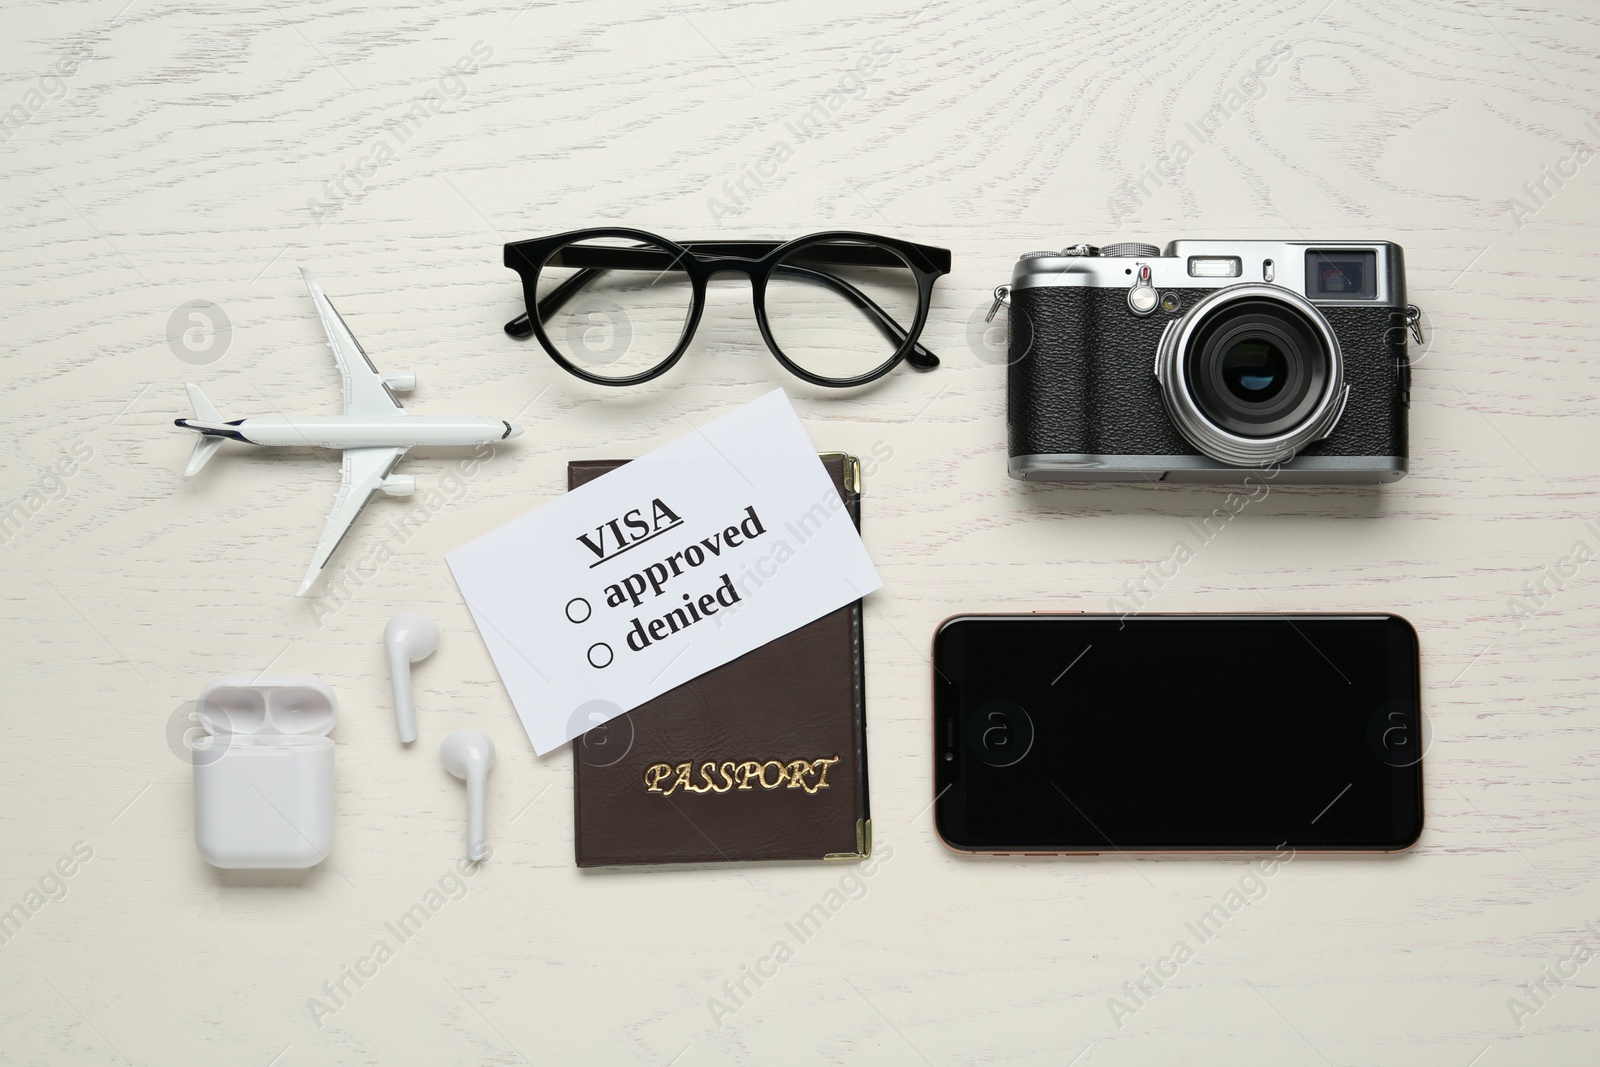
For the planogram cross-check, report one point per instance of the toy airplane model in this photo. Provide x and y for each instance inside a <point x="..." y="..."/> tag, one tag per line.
<point x="374" y="431"/>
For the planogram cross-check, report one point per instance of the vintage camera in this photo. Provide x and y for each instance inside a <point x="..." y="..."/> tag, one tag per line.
<point x="1210" y="361"/>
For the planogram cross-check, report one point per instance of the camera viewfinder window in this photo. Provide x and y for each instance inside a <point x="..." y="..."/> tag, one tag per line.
<point x="1341" y="275"/>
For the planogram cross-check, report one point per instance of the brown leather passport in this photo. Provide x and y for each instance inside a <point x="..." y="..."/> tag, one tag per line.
<point x="763" y="758"/>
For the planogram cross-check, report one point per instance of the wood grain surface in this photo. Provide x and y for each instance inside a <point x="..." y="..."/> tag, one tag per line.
<point x="158" y="154"/>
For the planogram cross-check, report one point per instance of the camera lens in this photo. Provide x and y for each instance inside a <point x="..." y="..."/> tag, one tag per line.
<point x="1254" y="370"/>
<point x="1251" y="374"/>
<point x="1256" y="367"/>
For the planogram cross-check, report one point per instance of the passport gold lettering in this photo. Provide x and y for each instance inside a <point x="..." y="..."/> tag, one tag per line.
<point x="668" y="778"/>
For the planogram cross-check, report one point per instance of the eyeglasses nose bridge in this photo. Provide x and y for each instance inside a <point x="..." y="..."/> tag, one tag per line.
<point x="748" y="269"/>
<point x="751" y="271"/>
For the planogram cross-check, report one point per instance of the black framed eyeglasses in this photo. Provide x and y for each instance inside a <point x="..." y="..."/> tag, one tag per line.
<point x="619" y="306"/>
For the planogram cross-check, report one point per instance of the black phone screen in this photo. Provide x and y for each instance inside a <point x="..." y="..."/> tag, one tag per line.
<point x="1087" y="733"/>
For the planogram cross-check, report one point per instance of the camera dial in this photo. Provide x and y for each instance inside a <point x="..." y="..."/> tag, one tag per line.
<point x="1252" y="374"/>
<point x="1130" y="250"/>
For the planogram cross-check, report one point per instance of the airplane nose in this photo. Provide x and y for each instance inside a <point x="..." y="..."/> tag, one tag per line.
<point x="512" y="431"/>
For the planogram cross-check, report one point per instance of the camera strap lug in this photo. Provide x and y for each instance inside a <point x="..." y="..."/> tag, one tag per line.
<point x="1414" y="321"/>
<point x="1002" y="295"/>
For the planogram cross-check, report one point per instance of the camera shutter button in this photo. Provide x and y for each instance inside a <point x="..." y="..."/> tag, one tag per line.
<point x="1142" y="298"/>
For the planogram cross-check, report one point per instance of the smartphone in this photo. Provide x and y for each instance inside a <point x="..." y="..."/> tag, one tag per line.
<point x="1177" y="733"/>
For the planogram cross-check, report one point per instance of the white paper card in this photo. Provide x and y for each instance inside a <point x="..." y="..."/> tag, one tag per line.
<point x="666" y="567"/>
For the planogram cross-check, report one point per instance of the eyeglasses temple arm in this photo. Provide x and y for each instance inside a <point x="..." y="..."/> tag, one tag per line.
<point x="522" y="326"/>
<point x="919" y="357"/>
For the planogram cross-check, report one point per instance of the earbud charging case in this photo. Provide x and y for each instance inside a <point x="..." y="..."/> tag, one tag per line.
<point x="263" y="775"/>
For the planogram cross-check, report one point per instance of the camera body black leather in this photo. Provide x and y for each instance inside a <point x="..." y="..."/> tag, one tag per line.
<point x="1210" y="360"/>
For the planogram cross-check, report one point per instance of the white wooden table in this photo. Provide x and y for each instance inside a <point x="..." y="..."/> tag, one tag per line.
<point x="169" y="153"/>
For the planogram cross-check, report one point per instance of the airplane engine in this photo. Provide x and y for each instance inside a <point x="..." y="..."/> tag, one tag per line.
<point x="399" y="485"/>
<point x="401" y="383"/>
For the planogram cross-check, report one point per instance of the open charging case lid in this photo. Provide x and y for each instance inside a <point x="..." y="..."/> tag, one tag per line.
<point x="268" y="706"/>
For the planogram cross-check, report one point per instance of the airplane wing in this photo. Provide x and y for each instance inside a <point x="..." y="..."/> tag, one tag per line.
<point x="364" y="390"/>
<point x="364" y="471"/>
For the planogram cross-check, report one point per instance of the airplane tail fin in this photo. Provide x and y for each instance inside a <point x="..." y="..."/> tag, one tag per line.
<point x="202" y="407"/>
<point x="206" y="445"/>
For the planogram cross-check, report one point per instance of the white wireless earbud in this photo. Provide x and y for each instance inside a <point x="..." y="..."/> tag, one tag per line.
<point x="409" y="637"/>
<point x="469" y="754"/>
